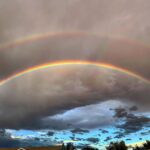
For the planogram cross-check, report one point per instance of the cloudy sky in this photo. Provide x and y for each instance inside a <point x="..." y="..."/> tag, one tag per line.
<point x="74" y="70"/>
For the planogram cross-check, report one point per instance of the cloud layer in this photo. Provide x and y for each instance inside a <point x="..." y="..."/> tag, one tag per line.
<point x="122" y="19"/>
<point x="69" y="97"/>
<point x="26" y="100"/>
<point x="75" y="46"/>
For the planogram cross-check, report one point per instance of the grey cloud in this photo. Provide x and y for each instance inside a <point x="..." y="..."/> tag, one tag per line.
<point x="37" y="139"/>
<point x="128" y="139"/>
<point x="79" y="131"/>
<point x="93" y="140"/>
<point x="80" y="122"/>
<point x="108" y="138"/>
<point x="132" y="122"/>
<point x="72" y="138"/>
<point x="55" y="90"/>
<point x="8" y="142"/>
<point x="50" y="133"/>
<point x="115" y="22"/>
<point x="103" y="131"/>
<point x="120" y="18"/>
<point x="133" y="108"/>
<point x="144" y="133"/>
<point x="76" y="46"/>
<point x="119" y="135"/>
<point x="120" y="112"/>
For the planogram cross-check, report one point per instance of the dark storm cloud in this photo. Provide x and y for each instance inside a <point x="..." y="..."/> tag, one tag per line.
<point x="108" y="138"/>
<point x="144" y="133"/>
<point x="93" y="140"/>
<point x="81" y="121"/>
<point x="72" y="138"/>
<point x="37" y="139"/>
<point x="133" y="108"/>
<point x="8" y="142"/>
<point x="128" y="139"/>
<point x="50" y="133"/>
<point x="132" y="122"/>
<point x="55" y="90"/>
<point x="80" y="139"/>
<point x="103" y="131"/>
<point x="79" y="131"/>
<point x="119" y="135"/>
<point x="120" y="112"/>
<point x="118" y="19"/>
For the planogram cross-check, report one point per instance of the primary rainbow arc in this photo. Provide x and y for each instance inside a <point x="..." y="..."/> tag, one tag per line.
<point x="73" y="62"/>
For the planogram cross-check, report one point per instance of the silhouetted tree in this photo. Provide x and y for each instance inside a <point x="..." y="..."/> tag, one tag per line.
<point x="145" y="146"/>
<point x="70" y="146"/>
<point x="117" y="146"/>
<point x="137" y="148"/>
<point x="63" y="147"/>
<point x="89" y="148"/>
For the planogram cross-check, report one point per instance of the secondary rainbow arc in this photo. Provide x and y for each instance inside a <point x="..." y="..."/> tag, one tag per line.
<point x="40" y="36"/>
<point x="36" y="37"/>
<point x="73" y="62"/>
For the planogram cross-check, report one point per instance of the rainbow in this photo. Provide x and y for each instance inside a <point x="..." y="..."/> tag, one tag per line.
<point x="42" y="36"/>
<point x="73" y="62"/>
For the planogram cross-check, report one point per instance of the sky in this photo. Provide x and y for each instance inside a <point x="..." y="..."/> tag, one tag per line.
<point x="74" y="70"/>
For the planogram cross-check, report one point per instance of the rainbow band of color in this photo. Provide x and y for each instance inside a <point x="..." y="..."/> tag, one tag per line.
<point x="54" y="64"/>
<point x="36" y="37"/>
<point x="43" y="36"/>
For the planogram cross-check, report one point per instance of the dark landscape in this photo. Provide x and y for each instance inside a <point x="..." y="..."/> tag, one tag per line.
<point x="70" y="146"/>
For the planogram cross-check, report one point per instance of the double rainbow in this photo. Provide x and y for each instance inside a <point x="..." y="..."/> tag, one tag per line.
<point x="59" y="63"/>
